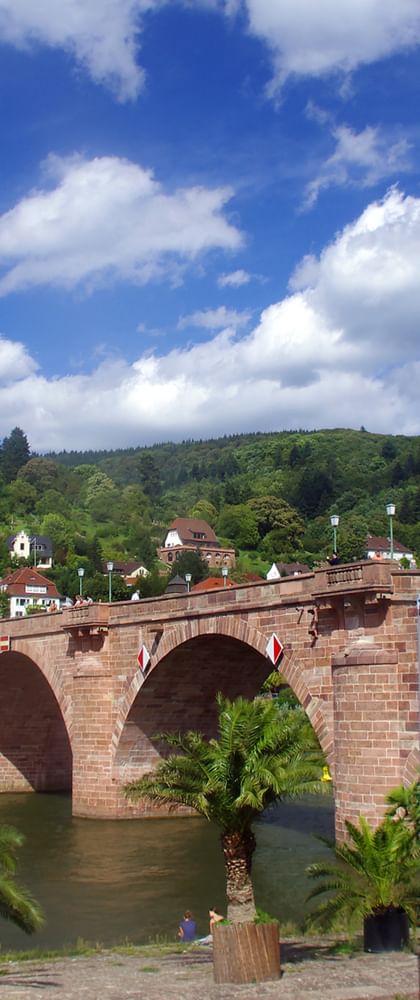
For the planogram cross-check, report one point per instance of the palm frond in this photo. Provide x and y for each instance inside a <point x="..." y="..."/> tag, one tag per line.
<point x="18" y="906"/>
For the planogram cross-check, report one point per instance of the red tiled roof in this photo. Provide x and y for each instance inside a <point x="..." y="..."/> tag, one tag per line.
<point x="188" y="527"/>
<point x="17" y="581"/>
<point x="212" y="582"/>
<point x="379" y="543"/>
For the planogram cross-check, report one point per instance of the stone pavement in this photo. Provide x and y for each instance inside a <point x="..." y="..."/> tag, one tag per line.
<point x="147" y="975"/>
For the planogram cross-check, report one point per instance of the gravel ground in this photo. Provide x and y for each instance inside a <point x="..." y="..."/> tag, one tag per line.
<point x="307" y="971"/>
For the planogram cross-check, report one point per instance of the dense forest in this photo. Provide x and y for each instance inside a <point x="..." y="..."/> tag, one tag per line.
<point x="270" y="496"/>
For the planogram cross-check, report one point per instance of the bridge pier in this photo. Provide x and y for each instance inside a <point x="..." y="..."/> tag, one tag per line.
<point x="369" y="731"/>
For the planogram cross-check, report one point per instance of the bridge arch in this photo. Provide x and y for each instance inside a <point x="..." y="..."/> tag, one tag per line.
<point x="203" y="657"/>
<point x="35" y="748"/>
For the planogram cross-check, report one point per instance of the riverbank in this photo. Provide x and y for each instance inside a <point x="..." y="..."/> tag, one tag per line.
<point x="310" y="969"/>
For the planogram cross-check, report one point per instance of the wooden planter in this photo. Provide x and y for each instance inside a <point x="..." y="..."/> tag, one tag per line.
<point x="245" y="953"/>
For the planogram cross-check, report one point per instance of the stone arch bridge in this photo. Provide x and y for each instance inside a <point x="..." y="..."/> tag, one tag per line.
<point x="76" y="712"/>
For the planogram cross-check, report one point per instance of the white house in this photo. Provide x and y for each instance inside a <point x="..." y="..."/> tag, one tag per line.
<point x="25" y="586"/>
<point x="378" y="547"/>
<point x="280" y="569"/>
<point x="191" y="534"/>
<point x="37" y="548"/>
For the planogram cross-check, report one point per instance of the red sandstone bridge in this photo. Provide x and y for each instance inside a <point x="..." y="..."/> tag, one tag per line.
<point x="76" y="712"/>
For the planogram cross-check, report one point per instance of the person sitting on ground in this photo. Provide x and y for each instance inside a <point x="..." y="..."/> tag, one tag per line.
<point x="214" y="918"/>
<point x="187" y="927"/>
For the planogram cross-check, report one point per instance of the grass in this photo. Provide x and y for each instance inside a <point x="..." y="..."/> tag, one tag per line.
<point x="81" y="947"/>
<point x="156" y="947"/>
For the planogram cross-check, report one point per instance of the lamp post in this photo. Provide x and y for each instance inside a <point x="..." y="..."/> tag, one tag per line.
<point x="188" y="579"/>
<point x="335" y="521"/>
<point x="110" y="567"/>
<point x="225" y="572"/>
<point x="390" y="509"/>
<point x="81" y="574"/>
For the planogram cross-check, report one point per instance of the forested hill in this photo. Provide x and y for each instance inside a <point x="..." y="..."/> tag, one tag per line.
<point x="269" y="495"/>
<point x="353" y="472"/>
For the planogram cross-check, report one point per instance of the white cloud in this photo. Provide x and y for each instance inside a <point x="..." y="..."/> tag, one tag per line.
<point x="360" y="158"/>
<point x="234" y="279"/>
<point x="215" y="319"/>
<point x="108" y="219"/>
<point x="101" y="34"/>
<point x="305" y="38"/>
<point x="341" y="350"/>
<point x="310" y="38"/>
<point x="15" y="362"/>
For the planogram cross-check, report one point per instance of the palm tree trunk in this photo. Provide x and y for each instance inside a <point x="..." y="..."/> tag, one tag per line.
<point x="238" y="849"/>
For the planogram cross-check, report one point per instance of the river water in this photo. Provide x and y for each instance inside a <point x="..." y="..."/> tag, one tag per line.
<point x="110" y="881"/>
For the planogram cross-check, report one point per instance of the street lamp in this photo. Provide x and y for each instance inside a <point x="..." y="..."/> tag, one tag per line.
<point x="110" y="567"/>
<point x="188" y="579"/>
<point x="225" y="572"/>
<point x="335" y="521"/>
<point x="81" y="574"/>
<point x="390" y="509"/>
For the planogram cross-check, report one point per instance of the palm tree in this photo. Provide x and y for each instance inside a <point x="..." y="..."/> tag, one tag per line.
<point x="16" y="903"/>
<point x="262" y="755"/>
<point x="377" y="875"/>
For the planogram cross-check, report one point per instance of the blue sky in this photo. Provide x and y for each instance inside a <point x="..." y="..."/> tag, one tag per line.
<point x="209" y="218"/>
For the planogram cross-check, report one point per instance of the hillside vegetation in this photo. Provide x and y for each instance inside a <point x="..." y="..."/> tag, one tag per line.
<point x="268" y="495"/>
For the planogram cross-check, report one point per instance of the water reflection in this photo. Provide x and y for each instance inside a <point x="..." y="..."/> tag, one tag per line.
<point x="108" y="880"/>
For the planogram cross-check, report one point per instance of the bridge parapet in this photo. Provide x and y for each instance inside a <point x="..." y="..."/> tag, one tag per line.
<point x="363" y="577"/>
<point x="87" y="619"/>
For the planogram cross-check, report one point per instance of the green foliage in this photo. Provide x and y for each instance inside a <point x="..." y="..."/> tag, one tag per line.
<point x="16" y="903"/>
<point x="204" y="510"/>
<point x="14" y="453"/>
<point x="4" y="605"/>
<point x="378" y="870"/>
<point x="261" y="756"/>
<point x="239" y="524"/>
<point x="268" y="495"/>
<point x="190" y="562"/>
<point x="404" y="803"/>
<point x="276" y="515"/>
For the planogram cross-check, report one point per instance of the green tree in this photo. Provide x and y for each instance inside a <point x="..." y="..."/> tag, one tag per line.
<point x="14" y="453"/>
<point x="41" y="473"/>
<point x="150" y="478"/>
<point x="377" y="872"/>
<point x="16" y="903"/>
<point x="190" y="562"/>
<point x="238" y="523"/>
<point x="4" y="605"/>
<point x="57" y="527"/>
<point x="274" y="514"/>
<point x="102" y="496"/>
<point x="206" y="511"/>
<point x="261" y="756"/>
<point x="22" y="497"/>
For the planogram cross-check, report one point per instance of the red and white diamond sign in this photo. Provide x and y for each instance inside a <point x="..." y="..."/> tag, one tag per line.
<point x="4" y="643"/>
<point x="274" y="648"/>
<point x="143" y="660"/>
